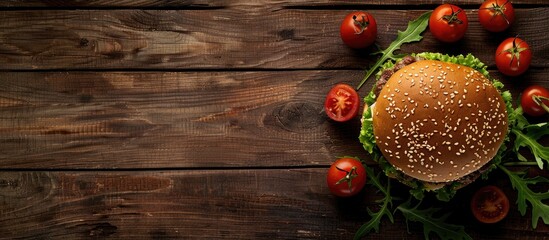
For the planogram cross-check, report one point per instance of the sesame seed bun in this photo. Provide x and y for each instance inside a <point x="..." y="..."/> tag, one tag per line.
<point x="438" y="122"/>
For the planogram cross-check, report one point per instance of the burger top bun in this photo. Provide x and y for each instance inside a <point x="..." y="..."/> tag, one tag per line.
<point x="438" y="121"/>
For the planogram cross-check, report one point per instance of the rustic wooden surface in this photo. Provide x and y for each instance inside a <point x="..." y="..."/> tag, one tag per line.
<point x="203" y="119"/>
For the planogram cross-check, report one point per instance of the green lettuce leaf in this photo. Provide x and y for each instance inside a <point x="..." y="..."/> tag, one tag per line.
<point x="366" y="136"/>
<point x="370" y="99"/>
<point x="468" y="60"/>
<point x="446" y="193"/>
<point x="388" y="64"/>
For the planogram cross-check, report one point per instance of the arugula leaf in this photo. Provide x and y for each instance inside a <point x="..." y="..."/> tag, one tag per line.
<point x="527" y="137"/>
<point x="520" y="183"/>
<point x="386" y="202"/>
<point x="432" y="224"/>
<point x="411" y="34"/>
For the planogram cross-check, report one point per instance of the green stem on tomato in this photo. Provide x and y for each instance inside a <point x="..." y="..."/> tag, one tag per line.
<point x="361" y="24"/>
<point x="515" y="52"/>
<point x="453" y="18"/>
<point x="499" y="10"/>
<point x="539" y="101"/>
<point x="348" y="177"/>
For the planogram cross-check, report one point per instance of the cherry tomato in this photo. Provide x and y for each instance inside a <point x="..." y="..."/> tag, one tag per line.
<point x="358" y="30"/>
<point x="346" y="177"/>
<point x="535" y="100"/>
<point x="489" y="204"/>
<point x="342" y="103"/>
<point x="448" y="23"/>
<point x="513" y="56"/>
<point x="496" y="15"/>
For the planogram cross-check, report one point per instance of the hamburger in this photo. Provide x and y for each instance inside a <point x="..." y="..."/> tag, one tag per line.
<point x="436" y="122"/>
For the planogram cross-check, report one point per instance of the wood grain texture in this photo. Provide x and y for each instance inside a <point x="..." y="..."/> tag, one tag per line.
<point x="205" y="204"/>
<point x="203" y="119"/>
<point x="230" y="3"/>
<point x="178" y="119"/>
<point x="234" y="38"/>
<point x="152" y="119"/>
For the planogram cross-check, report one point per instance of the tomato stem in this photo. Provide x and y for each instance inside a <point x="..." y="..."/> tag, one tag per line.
<point x="361" y="24"/>
<point x="453" y="18"/>
<point x="498" y="10"/>
<point x="539" y="101"/>
<point x="515" y="52"/>
<point x="348" y="177"/>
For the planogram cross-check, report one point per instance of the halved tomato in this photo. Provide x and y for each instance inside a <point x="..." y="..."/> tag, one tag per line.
<point x="490" y="204"/>
<point x="342" y="103"/>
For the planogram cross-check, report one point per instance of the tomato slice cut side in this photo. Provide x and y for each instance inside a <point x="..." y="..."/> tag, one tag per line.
<point x="342" y="103"/>
<point x="489" y="204"/>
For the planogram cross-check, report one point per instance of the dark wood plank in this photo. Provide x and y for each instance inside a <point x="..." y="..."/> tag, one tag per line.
<point x="109" y="4"/>
<point x="230" y="3"/>
<point x="206" y="204"/>
<point x="234" y="38"/>
<point x="178" y="119"/>
<point x="151" y="119"/>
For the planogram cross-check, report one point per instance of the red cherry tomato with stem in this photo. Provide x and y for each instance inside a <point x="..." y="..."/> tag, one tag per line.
<point x="448" y="23"/>
<point x="346" y="177"/>
<point x="496" y="15"/>
<point x="342" y="103"/>
<point x="358" y="30"/>
<point x="489" y="204"/>
<point x="535" y="101"/>
<point x="513" y="56"/>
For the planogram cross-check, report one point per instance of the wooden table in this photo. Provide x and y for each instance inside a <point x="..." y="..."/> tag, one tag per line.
<point x="203" y="119"/>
